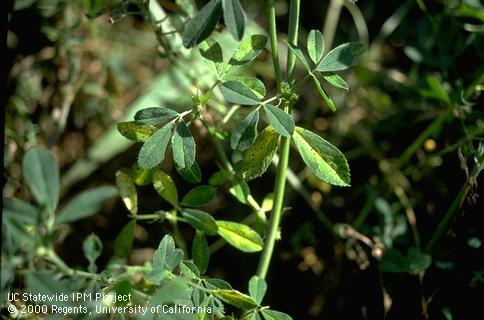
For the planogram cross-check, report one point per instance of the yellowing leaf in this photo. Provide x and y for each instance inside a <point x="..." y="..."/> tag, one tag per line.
<point x="322" y="158"/>
<point x="259" y="156"/>
<point x="240" y="236"/>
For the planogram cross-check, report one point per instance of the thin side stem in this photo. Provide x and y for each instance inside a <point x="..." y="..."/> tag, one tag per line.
<point x="292" y="37"/>
<point x="271" y="15"/>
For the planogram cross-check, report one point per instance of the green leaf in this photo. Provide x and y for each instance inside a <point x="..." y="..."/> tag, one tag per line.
<point x="322" y="158"/>
<point x="257" y="288"/>
<point x="165" y="187"/>
<point x="252" y="83"/>
<point x="393" y="261"/>
<point x="135" y="131"/>
<point x="215" y="284"/>
<point x="200" y="220"/>
<point x="155" y="116"/>
<point x="154" y="149"/>
<point x="183" y="146"/>
<point x="165" y="248"/>
<point x="85" y="204"/>
<point x="21" y="211"/>
<point x="218" y="178"/>
<point x="240" y="236"/>
<point x="326" y="99"/>
<point x="212" y="51"/>
<point x="200" y="254"/>
<point x="174" y="289"/>
<point x="436" y="90"/>
<point x="173" y="259"/>
<point x="337" y="81"/>
<point x="127" y="191"/>
<point x="418" y="261"/>
<point x="142" y="176"/>
<point x="124" y="240"/>
<point x="234" y="18"/>
<point x="202" y="24"/>
<point x="315" y="45"/>
<point x="92" y="248"/>
<point x="248" y="49"/>
<point x="245" y="132"/>
<point x="281" y="121"/>
<point x="268" y="202"/>
<point x="199" y="196"/>
<point x="341" y="57"/>
<point x="191" y="174"/>
<point x="274" y="315"/>
<point x="240" y="189"/>
<point x="41" y="174"/>
<point x="239" y="93"/>
<point x="299" y="54"/>
<point x="236" y="298"/>
<point x="189" y="269"/>
<point x="259" y="156"/>
<point x="255" y="316"/>
<point x="47" y="283"/>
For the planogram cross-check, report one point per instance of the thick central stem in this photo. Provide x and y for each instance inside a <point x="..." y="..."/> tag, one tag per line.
<point x="284" y="146"/>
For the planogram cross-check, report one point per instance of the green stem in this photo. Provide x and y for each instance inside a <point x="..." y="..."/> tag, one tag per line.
<point x="64" y="268"/>
<point x="456" y="204"/>
<point x="284" y="147"/>
<point x="435" y="125"/>
<point x="292" y="37"/>
<point x="271" y="14"/>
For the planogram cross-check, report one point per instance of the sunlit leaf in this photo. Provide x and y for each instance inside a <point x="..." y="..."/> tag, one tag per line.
<point x="240" y="236"/>
<point x="240" y="189"/>
<point x="165" y="187"/>
<point x="236" y="299"/>
<point x="127" y="191"/>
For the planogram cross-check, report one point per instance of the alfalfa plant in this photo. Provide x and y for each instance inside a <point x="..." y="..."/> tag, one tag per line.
<point x="161" y="128"/>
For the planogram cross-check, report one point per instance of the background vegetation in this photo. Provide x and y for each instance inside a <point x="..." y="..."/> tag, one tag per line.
<point x="400" y="243"/>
